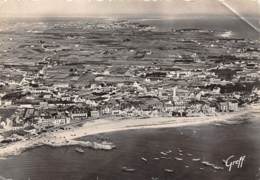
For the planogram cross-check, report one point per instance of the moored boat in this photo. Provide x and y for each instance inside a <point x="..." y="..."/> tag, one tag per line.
<point x="163" y="153"/>
<point x="178" y="159"/>
<point x="196" y="159"/>
<point x="144" y="159"/>
<point x="126" y="169"/>
<point x="80" y="150"/>
<point x="168" y="170"/>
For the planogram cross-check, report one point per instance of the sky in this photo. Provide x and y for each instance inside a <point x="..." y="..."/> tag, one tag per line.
<point x="20" y="8"/>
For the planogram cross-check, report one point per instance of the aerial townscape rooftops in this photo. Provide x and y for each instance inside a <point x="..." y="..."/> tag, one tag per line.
<point x="123" y="69"/>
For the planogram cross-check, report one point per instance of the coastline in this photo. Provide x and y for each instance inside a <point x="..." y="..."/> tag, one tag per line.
<point x="68" y="137"/>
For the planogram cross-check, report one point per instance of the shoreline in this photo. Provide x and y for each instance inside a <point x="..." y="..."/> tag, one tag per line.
<point x="69" y="137"/>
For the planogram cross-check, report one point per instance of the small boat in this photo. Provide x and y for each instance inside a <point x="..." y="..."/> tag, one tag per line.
<point x="168" y="170"/>
<point x="126" y="169"/>
<point x="169" y="151"/>
<point x="180" y="151"/>
<point x="196" y="159"/>
<point x="163" y="153"/>
<point x="218" y="124"/>
<point x="178" y="159"/>
<point x="165" y="157"/>
<point x="155" y="178"/>
<point x="144" y="159"/>
<point x="218" y="167"/>
<point x="79" y="150"/>
<point x="156" y="158"/>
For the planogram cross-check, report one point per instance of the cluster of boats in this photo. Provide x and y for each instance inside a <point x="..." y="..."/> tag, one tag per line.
<point x="165" y="155"/>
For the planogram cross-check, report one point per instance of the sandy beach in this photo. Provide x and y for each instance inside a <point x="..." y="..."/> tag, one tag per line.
<point x="67" y="137"/>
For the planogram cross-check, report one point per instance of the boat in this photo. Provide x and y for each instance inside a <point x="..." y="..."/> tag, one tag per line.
<point x="218" y="124"/>
<point x="80" y="150"/>
<point x="218" y="167"/>
<point x="168" y="170"/>
<point x="168" y="152"/>
<point x="155" y="178"/>
<point x="126" y="169"/>
<point x="163" y="153"/>
<point x="180" y="151"/>
<point x="144" y="159"/>
<point x="196" y="159"/>
<point x="178" y="159"/>
<point x="165" y="157"/>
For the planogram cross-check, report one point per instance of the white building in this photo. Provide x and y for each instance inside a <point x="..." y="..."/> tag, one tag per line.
<point x="7" y="103"/>
<point x="233" y="106"/>
<point x="79" y="115"/>
<point x="95" y="114"/>
<point x="61" y="85"/>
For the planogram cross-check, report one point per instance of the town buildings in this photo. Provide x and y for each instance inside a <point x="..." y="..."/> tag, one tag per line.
<point x="75" y="81"/>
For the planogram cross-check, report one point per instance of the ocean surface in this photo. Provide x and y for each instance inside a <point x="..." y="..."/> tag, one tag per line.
<point x="235" y="25"/>
<point x="211" y="143"/>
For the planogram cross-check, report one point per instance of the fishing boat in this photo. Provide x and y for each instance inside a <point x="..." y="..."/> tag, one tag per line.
<point x="218" y="167"/>
<point x="168" y="170"/>
<point x="165" y="157"/>
<point x="80" y="150"/>
<point x="180" y="151"/>
<point x="168" y="152"/>
<point x="196" y="159"/>
<point x="163" y="153"/>
<point x="178" y="159"/>
<point x="144" y="159"/>
<point x="126" y="169"/>
<point x="218" y="124"/>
